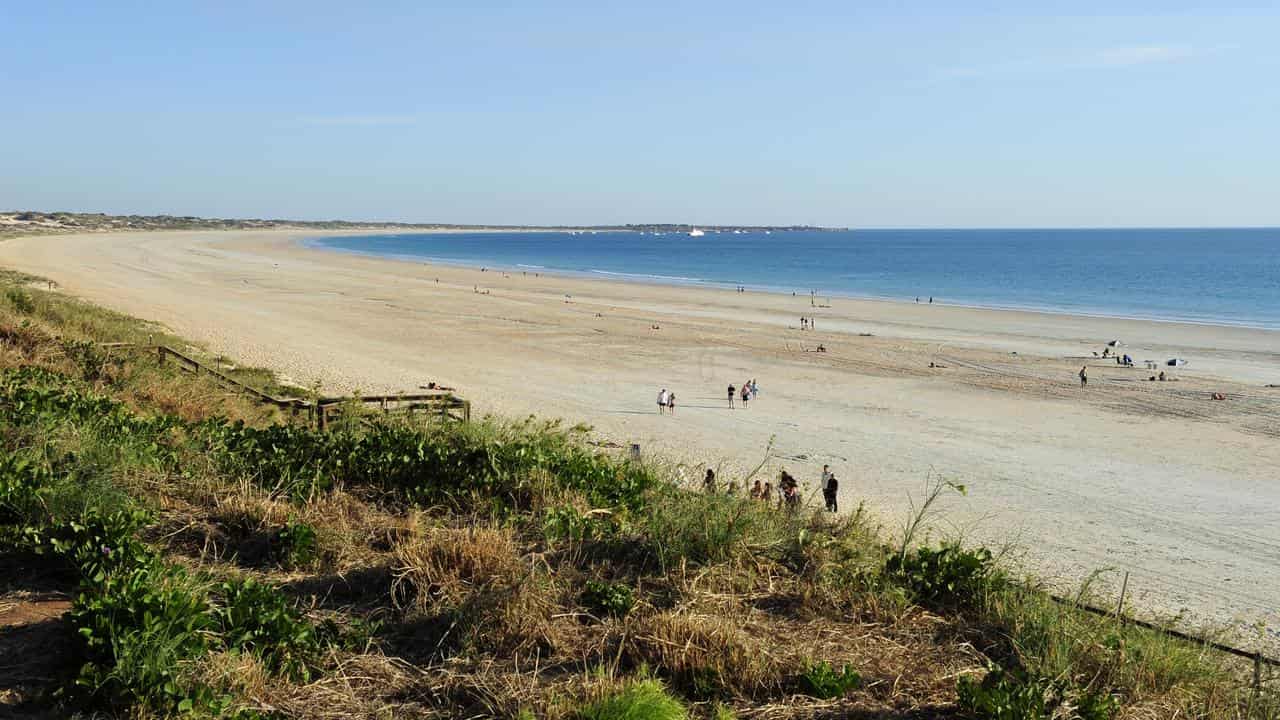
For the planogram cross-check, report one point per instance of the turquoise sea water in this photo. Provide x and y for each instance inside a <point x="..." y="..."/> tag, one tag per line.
<point x="1229" y="277"/>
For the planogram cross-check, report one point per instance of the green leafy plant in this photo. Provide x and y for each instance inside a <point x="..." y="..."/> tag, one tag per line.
<point x="822" y="681"/>
<point x="297" y="544"/>
<point x="606" y="598"/>
<point x="136" y="626"/>
<point x="948" y="575"/>
<point x="1016" y="694"/>
<point x="22" y="482"/>
<point x="87" y="356"/>
<point x="259" y="619"/>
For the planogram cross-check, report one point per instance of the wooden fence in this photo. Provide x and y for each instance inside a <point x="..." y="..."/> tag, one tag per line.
<point x="322" y="410"/>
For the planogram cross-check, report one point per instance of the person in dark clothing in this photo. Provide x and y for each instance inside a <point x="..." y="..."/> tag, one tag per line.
<point x="790" y="490"/>
<point x="732" y="390"/>
<point x="709" y="482"/>
<point x="830" y="491"/>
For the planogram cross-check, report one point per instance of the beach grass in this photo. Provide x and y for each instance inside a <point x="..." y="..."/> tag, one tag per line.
<point x="227" y="563"/>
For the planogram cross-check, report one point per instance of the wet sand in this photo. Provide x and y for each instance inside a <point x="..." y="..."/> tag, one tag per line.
<point x="1154" y="478"/>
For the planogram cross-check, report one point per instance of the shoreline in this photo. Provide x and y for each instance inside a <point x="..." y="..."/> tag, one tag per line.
<point x="315" y="243"/>
<point x="1154" y="478"/>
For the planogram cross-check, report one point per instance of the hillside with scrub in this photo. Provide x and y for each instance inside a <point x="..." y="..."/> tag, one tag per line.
<point x="172" y="549"/>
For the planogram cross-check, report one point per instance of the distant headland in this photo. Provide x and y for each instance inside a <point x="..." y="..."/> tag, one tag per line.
<point x="25" y="222"/>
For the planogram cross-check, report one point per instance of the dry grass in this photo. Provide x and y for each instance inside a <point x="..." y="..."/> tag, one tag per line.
<point x="704" y="654"/>
<point x="473" y="588"/>
<point x="449" y="564"/>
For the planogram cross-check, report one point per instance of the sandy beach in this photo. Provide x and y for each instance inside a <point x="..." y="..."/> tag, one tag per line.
<point x="1154" y="478"/>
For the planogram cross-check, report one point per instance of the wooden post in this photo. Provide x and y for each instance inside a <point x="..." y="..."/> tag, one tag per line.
<point x="1123" y="587"/>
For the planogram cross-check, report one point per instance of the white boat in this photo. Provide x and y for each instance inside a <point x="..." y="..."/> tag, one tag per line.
<point x="696" y="233"/>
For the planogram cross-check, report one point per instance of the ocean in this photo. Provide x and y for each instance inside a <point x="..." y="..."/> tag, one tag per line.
<point x="1213" y="276"/>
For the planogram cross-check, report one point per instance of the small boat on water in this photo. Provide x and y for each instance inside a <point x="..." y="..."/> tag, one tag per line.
<point x="696" y="233"/>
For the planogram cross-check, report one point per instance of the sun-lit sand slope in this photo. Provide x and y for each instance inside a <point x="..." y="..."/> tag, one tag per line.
<point x="1156" y="478"/>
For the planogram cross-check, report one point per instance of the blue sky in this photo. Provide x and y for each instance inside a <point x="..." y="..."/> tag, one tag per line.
<point x="832" y="113"/>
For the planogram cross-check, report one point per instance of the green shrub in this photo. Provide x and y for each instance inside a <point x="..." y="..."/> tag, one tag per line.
<point x="259" y="619"/>
<point x="297" y="544"/>
<point x="96" y="544"/>
<point x="21" y="300"/>
<point x="22" y="483"/>
<point x="948" y="576"/>
<point x="136" y="628"/>
<point x="643" y="700"/>
<point x="87" y="356"/>
<point x="822" y="681"/>
<point x="1019" y="695"/>
<point x="605" y="598"/>
<point x="458" y="464"/>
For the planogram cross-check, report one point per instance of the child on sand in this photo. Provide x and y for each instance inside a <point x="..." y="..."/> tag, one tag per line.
<point x="732" y="390"/>
<point x="671" y="403"/>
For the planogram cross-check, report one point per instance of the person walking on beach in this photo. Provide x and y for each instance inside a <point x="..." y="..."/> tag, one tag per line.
<point x="746" y="394"/>
<point x="1084" y="376"/>
<point x="662" y="401"/>
<point x="732" y="390"/>
<point x="671" y="403"/>
<point x="830" y="488"/>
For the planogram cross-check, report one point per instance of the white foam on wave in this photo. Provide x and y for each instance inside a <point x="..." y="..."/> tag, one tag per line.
<point x="645" y="276"/>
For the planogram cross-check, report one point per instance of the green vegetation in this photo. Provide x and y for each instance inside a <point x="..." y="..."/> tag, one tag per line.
<point x="822" y="681"/>
<point x="608" y="599"/>
<point x="221" y="561"/>
<point x="641" y="700"/>
<point x="1019" y="695"/>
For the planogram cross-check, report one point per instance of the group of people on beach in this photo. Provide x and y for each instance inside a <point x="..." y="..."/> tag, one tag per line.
<point x="788" y="495"/>
<point x="666" y="402"/>
<point x="747" y="392"/>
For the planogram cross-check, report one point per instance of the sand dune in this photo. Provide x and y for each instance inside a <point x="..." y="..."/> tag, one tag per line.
<point x="1155" y="478"/>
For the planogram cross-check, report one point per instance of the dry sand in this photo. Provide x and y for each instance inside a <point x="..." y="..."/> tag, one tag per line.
<point x="1153" y="478"/>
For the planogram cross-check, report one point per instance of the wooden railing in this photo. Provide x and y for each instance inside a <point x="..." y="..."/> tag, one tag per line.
<point x="322" y="410"/>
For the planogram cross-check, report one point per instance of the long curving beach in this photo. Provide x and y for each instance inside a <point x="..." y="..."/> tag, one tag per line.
<point x="1153" y="478"/>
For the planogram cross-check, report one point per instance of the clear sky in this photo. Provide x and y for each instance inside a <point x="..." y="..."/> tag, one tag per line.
<point x="833" y="113"/>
